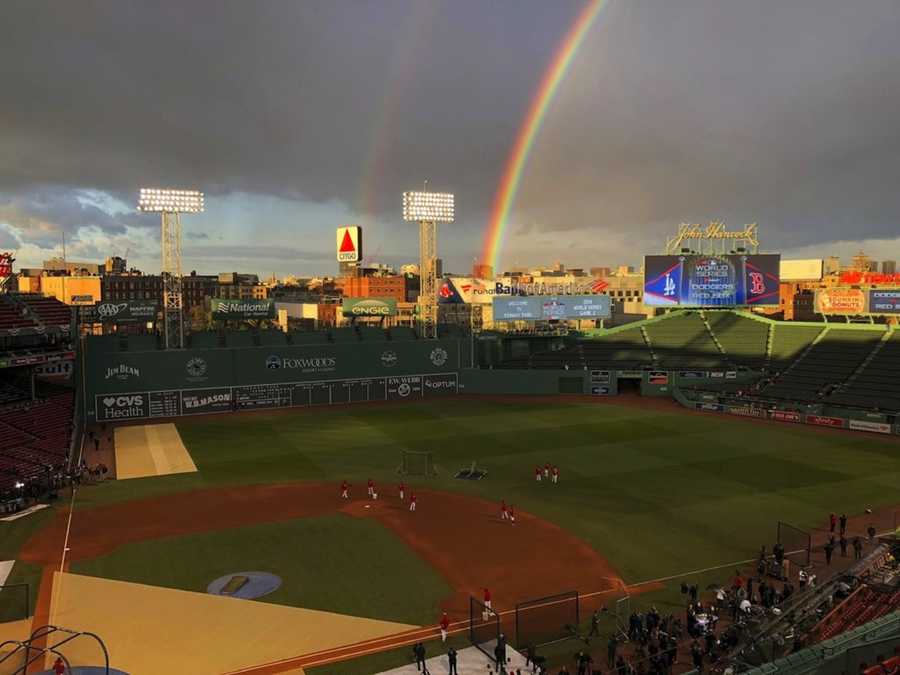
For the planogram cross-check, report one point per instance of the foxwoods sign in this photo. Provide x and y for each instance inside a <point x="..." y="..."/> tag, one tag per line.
<point x="317" y="364"/>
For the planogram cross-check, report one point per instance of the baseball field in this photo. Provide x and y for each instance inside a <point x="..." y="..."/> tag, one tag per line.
<point x="646" y="491"/>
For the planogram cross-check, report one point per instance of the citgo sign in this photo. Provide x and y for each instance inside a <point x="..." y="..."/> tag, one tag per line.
<point x="369" y="307"/>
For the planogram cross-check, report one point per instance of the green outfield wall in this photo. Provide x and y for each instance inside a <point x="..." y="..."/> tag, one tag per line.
<point x="155" y="384"/>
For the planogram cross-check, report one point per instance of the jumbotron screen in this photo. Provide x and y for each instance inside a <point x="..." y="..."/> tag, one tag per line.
<point x="711" y="280"/>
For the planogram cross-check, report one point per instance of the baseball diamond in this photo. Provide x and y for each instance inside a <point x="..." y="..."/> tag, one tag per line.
<point x="507" y="424"/>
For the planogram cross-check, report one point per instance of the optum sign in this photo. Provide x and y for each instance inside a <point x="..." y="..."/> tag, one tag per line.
<point x="369" y="307"/>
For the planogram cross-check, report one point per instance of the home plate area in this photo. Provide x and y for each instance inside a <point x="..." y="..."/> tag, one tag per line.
<point x="469" y="661"/>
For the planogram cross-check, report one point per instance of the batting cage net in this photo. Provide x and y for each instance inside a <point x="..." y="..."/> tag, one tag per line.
<point x="484" y="627"/>
<point x="543" y="621"/>
<point x="413" y="463"/>
<point x="797" y="543"/>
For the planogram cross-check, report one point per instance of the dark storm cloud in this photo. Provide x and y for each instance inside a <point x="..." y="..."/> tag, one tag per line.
<point x="778" y="111"/>
<point x="267" y="97"/>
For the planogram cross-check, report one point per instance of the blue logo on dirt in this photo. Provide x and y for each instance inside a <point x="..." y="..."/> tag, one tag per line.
<point x="273" y="362"/>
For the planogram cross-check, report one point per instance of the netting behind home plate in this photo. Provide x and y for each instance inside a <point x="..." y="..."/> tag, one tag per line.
<point x="484" y="627"/>
<point x="546" y="620"/>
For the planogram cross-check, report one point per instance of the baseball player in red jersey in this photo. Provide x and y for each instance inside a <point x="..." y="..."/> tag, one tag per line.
<point x="487" y="599"/>
<point x="402" y="490"/>
<point x="512" y="514"/>
<point x="371" y="487"/>
<point x="412" y="501"/>
<point x="345" y="490"/>
<point x="537" y="474"/>
<point x="445" y="625"/>
<point x="504" y="514"/>
<point x="555" y="472"/>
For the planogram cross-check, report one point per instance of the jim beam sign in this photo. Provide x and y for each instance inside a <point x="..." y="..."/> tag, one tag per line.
<point x="704" y="238"/>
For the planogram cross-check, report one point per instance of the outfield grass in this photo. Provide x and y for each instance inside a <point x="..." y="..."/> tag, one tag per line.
<point x="327" y="563"/>
<point x="656" y="492"/>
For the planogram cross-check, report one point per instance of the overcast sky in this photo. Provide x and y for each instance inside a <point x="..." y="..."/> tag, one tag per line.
<point x="297" y="116"/>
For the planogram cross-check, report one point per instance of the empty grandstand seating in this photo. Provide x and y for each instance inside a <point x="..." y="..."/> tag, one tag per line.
<point x="876" y="385"/>
<point x="34" y="437"/>
<point x="744" y="340"/>
<point x="50" y="311"/>
<point x="830" y="361"/>
<point x="13" y="316"/>
<point x="683" y="341"/>
<point x="625" y="349"/>
<point x="865" y="604"/>
<point x="789" y="342"/>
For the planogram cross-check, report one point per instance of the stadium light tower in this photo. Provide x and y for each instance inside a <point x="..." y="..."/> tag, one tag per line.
<point x="428" y="209"/>
<point x="171" y="204"/>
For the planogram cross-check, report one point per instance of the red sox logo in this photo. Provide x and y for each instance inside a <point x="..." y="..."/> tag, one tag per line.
<point x="757" y="285"/>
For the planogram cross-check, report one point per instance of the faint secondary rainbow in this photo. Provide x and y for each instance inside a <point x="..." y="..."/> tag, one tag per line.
<point x="531" y="125"/>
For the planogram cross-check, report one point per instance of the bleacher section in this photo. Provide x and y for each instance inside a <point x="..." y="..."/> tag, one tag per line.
<point x="625" y="350"/>
<point x="744" y="340"/>
<point x="876" y="386"/>
<point x="865" y="604"/>
<point x="35" y="437"/>
<point x="50" y="311"/>
<point x="683" y="341"/>
<point x="789" y="342"/>
<point x="830" y="361"/>
<point x="12" y="316"/>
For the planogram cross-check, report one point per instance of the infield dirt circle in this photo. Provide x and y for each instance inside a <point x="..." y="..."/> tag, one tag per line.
<point x="462" y="537"/>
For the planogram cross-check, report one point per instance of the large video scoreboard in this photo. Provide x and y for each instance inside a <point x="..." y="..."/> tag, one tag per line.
<point x="711" y="280"/>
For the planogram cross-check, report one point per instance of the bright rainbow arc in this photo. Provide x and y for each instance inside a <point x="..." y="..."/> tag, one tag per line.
<point x="531" y="125"/>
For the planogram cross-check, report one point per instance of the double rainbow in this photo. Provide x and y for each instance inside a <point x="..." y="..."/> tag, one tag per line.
<point x="531" y="125"/>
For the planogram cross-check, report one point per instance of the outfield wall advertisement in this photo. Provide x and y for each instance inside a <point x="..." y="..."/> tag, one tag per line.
<point x="135" y="385"/>
<point x="711" y="280"/>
